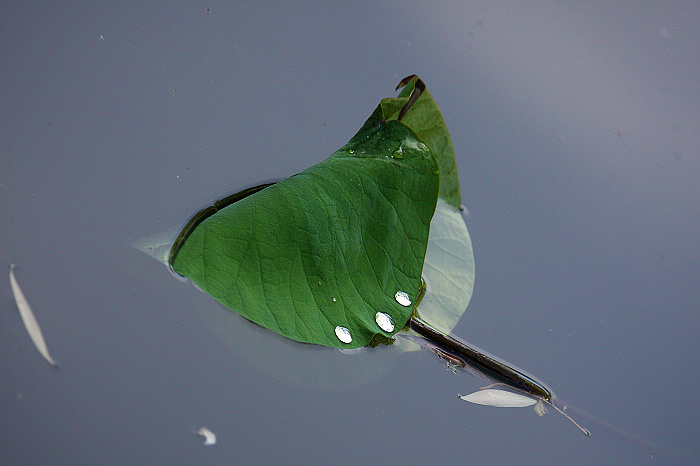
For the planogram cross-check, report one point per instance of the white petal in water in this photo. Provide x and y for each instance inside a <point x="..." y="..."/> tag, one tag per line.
<point x="28" y="318"/>
<point x="499" y="399"/>
<point x="209" y="436"/>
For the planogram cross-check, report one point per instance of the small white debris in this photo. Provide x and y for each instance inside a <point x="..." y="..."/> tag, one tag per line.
<point x="541" y="409"/>
<point x="499" y="399"/>
<point x="402" y="298"/>
<point x="343" y="334"/>
<point x="384" y="321"/>
<point x="209" y="436"/>
<point x="28" y="318"/>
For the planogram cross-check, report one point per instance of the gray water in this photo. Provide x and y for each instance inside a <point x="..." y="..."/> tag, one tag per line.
<point x="576" y="130"/>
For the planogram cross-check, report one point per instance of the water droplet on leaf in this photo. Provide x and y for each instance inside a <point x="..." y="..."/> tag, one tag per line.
<point x="402" y="298"/>
<point x="384" y="321"/>
<point x="343" y="334"/>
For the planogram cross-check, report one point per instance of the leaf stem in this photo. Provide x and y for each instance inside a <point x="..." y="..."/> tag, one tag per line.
<point x="499" y="370"/>
<point x="418" y="89"/>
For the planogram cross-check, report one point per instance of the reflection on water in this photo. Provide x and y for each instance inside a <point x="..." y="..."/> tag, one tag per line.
<point x="303" y="364"/>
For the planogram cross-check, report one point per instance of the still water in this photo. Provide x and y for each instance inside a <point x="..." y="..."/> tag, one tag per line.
<point x="576" y="132"/>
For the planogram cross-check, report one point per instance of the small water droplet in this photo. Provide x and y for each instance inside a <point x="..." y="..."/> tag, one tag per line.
<point x="343" y="334"/>
<point x="402" y="298"/>
<point x="384" y="321"/>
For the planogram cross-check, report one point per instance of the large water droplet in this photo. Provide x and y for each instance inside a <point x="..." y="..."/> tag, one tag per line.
<point x="384" y="321"/>
<point x="343" y="334"/>
<point x="402" y="298"/>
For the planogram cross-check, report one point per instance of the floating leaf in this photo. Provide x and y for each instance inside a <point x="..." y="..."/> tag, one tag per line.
<point x="316" y="256"/>
<point x="28" y="318"/>
<point x="342" y="253"/>
<point x="499" y="398"/>
<point x="448" y="267"/>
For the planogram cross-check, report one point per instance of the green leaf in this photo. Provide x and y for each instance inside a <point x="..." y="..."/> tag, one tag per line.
<point x="448" y="270"/>
<point x="345" y="244"/>
<point x="426" y="120"/>
<point x="327" y="248"/>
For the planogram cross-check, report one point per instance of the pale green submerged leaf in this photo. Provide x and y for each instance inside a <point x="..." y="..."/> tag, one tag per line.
<point x="448" y="270"/>
<point x="499" y="398"/>
<point x="28" y="318"/>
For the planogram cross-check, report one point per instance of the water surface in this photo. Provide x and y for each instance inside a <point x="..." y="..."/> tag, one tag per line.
<point x="576" y="132"/>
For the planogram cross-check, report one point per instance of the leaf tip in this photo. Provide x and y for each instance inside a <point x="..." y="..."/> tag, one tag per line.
<point x="418" y="89"/>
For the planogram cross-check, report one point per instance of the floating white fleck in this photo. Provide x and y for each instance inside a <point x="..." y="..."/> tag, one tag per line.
<point x="28" y="318"/>
<point x="209" y="436"/>
<point x="540" y="408"/>
<point x="343" y="334"/>
<point x="402" y="298"/>
<point x="499" y="399"/>
<point x="384" y="321"/>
